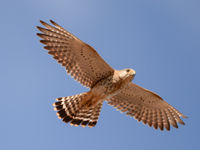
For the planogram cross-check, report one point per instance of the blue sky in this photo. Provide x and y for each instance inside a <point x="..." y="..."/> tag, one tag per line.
<point x="159" y="39"/>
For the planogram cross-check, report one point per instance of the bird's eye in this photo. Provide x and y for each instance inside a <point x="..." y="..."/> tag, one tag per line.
<point x="127" y="70"/>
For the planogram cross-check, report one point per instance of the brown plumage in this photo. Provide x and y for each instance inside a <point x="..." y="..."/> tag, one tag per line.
<point x="69" y="111"/>
<point x="85" y="65"/>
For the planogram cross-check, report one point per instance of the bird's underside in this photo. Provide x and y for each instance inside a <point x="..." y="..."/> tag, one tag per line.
<point x="86" y="66"/>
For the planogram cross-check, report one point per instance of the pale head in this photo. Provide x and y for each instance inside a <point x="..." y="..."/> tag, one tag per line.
<point x="127" y="74"/>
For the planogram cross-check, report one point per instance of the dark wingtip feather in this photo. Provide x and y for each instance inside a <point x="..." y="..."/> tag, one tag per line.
<point x="53" y="22"/>
<point x="155" y="126"/>
<point x="42" y="22"/>
<point x="39" y="34"/>
<point x="150" y="123"/>
<point x="51" y="52"/>
<point x="40" y="28"/>
<point x="45" y="24"/>
<point x="167" y="126"/>
<point x="58" y="107"/>
<point x="161" y="128"/>
<point x="57" y="103"/>
<point x="175" y="125"/>
<point x="92" y="124"/>
<point x="76" y="122"/>
<point x="61" y="113"/>
<point x="59" y="99"/>
<point x="168" y="129"/>
<point x="67" y="119"/>
<point x="47" y="47"/>
<point x="44" y="41"/>
<point x="84" y="123"/>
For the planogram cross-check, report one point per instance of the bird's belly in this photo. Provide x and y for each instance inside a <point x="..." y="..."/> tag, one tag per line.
<point x="106" y="89"/>
<point x="101" y="94"/>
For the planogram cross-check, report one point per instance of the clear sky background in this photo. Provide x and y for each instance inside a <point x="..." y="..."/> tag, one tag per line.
<point x="159" y="39"/>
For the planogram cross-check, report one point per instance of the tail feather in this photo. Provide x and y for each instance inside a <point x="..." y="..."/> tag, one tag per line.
<point x="95" y="115"/>
<point x="70" y="111"/>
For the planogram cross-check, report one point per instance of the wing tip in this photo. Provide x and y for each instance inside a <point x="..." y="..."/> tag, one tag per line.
<point x="183" y="116"/>
<point x="40" y="28"/>
<point x="167" y="129"/>
<point x="43" y="41"/>
<point x="42" y="22"/>
<point x="53" y="22"/>
<point x="39" y="34"/>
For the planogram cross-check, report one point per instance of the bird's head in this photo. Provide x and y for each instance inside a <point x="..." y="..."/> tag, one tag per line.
<point x="127" y="74"/>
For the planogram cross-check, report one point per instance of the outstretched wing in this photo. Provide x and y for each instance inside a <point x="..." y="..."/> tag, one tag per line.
<point x="147" y="107"/>
<point x="80" y="60"/>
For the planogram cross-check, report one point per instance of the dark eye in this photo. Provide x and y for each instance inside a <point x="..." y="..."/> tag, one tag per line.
<point x="127" y="70"/>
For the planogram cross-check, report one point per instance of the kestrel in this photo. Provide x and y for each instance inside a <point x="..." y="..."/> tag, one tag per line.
<point x="86" y="66"/>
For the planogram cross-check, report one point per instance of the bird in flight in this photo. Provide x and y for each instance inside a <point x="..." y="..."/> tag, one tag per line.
<point x="85" y="65"/>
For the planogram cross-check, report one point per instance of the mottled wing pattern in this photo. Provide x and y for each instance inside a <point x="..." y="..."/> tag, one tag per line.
<point x="80" y="60"/>
<point x="68" y="110"/>
<point x="147" y="107"/>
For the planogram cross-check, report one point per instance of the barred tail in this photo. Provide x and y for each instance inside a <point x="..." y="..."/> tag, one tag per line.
<point x="69" y="109"/>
